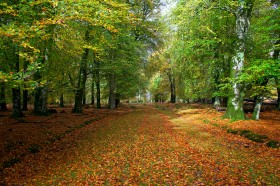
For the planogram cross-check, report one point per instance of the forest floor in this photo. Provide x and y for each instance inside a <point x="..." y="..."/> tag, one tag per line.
<point x="139" y="145"/>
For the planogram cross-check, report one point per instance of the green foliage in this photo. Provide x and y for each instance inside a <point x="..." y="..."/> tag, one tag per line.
<point x="48" y="36"/>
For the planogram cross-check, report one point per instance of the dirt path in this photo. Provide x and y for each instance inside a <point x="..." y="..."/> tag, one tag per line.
<point x="145" y="147"/>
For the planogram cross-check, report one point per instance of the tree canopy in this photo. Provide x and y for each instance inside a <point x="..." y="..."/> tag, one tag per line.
<point x="74" y="50"/>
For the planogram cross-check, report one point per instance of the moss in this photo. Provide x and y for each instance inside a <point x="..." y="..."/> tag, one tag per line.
<point x="273" y="144"/>
<point x="232" y="131"/>
<point x="253" y="136"/>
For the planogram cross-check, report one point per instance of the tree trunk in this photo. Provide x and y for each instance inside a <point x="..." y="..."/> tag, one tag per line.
<point x="3" y="104"/>
<point x="258" y="102"/>
<point x="97" y="82"/>
<point x="217" y="102"/>
<point x="40" y="101"/>
<point x="44" y="109"/>
<point x="81" y="85"/>
<point x="25" y="99"/>
<point x="82" y="80"/>
<point x="84" y="97"/>
<point x="172" y="88"/>
<point x="278" y="92"/>
<point x="278" y="100"/>
<point x="40" y="98"/>
<point x="92" y="90"/>
<point x="25" y="92"/>
<point x="257" y="108"/>
<point x="17" y="112"/>
<point x="236" y="94"/>
<point x="277" y="79"/>
<point x="61" y="100"/>
<point x="112" y="93"/>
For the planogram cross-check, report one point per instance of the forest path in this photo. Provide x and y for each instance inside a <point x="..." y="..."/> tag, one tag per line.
<point x="147" y="146"/>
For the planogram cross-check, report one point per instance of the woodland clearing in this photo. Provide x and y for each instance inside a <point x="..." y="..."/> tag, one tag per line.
<point x="173" y="144"/>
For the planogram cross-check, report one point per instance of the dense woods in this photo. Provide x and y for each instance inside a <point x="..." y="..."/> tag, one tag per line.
<point x="100" y="52"/>
<point x="65" y="51"/>
<point x="224" y="51"/>
<point x="139" y="92"/>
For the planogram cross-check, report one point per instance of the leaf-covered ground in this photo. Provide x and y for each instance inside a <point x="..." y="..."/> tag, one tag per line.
<point x="142" y="145"/>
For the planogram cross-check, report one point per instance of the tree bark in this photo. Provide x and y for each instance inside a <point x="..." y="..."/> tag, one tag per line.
<point x="25" y="92"/>
<point x="217" y="102"/>
<point x="97" y="82"/>
<point x="84" y="97"/>
<point x="257" y="108"/>
<point x="40" y="102"/>
<point x="112" y="92"/>
<point x="82" y="79"/>
<point x="236" y="94"/>
<point x="92" y="90"/>
<point x="25" y="99"/>
<point x="17" y="112"/>
<point x="3" y="104"/>
<point x="258" y="102"/>
<point x="40" y="98"/>
<point x="172" y="88"/>
<point x="61" y="100"/>
<point x="278" y="92"/>
<point x="81" y="84"/>
<point x="277" y="79"/>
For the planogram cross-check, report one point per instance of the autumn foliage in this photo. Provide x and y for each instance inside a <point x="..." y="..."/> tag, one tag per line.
<point x="138" y="145"/>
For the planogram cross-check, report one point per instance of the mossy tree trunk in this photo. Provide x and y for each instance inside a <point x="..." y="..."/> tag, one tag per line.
<point x="236" y="94"/>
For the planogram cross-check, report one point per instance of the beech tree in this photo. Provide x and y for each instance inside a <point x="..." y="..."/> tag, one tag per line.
<point x="216" y="45"/>
<point x="242" y="13"/>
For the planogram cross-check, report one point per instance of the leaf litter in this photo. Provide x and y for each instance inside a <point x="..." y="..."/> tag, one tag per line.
<point x="170" y="144"/>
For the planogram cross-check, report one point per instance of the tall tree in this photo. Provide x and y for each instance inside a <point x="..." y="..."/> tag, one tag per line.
<point x="82" y="78"/>
<point x="242" y="13"/>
